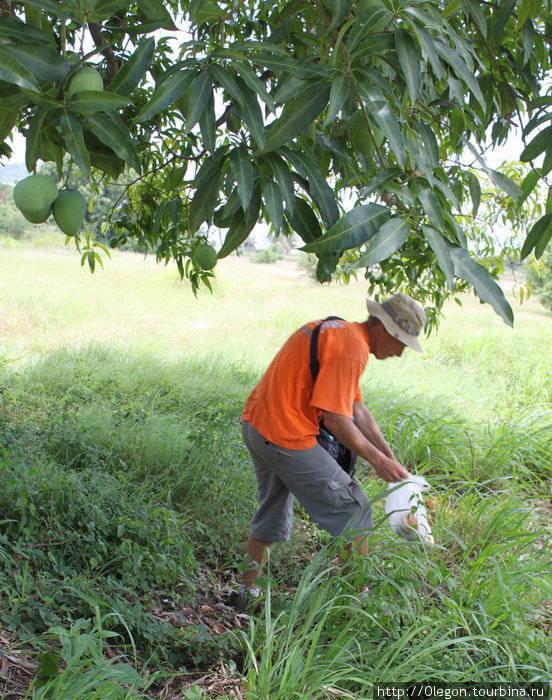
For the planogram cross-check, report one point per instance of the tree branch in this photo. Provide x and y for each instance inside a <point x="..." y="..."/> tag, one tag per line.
<point x="107" y="51"/>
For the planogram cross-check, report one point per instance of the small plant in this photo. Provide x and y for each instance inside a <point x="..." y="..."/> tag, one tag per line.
<point x="80" y="668"/>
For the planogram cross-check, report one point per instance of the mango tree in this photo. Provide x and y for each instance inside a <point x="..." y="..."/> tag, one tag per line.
<point x="358" y="125"/>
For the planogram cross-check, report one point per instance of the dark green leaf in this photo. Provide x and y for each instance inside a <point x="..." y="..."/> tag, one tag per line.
<point x="432" y="208"/>
<point x="352" y="230"/>
<point x="44" y="63"/>
<point x="319" y="189"/>
<point x="237" y="233"/>
<point x="202" y="11"/>
<point x="441" y="248"/>
<point x="383" y="176"/>
<point x="297" y="115"/>
<point x="428" y="16"/>
<point x="302" y="68"/>
<point x="410" y="61"/>
<point x="340" y="9"/>
<point x="52" y="148"/>
<point x="12" y="71"/>
<point x="9" y="114"/>
<point x="74" y="141"/>
<point x="462" y="70"/>
<point x="166" y="94"/>
<point x="255" y="84"/>
<point x="326" y="266"/>
<point x="158" y="218"/>
<point x="106" y="8"/>
<point x="385" y="242"/>
<point x="210" y="166"/>
<point x="428" y="45"/>
<point x="90" y="101"/>
<point x="224" y="216"/>
<point x="16" y="29"/>
<point x="538" y="237"/>
<point x="242" y="224"/>
<point x="373" y="44"/>
<point x="290" y="88"/>
<point x="207" y="126"/>
<point x="528" y="39"/>
<point x="240" y="164"/>
<point x="157" y="14"/>
<point x="431" y="147"/>
<point x="456" y="231"/>
<point x="304" y="221"/>
<point x="485" y="286"/>
<point x="383" y="115"/>
<point x="475" y="192"/>
<point x="53" y="8"/>
<point x="134" y="69"/>
<point x="204" y="201"/>
<point x="42" y="99"/>
<point x="250" y="113"/>
<point x="114" y="134"/>
<point x="226" y="80"/>
<point x="541" y="142"/>
<point x="105" y="160"/>
<point x="33" y="140"/>
<point x="528" y="185"/>
<point x="368" y="25"/>
<point x="474" y="10"/>
<point x="274" y="207"/>
<point x="338" y="95"/>
<point x="202" y="91"/>
<point x="505" y="183"/>
<point x="500" y="19"/>
<point x="284" y="179"/>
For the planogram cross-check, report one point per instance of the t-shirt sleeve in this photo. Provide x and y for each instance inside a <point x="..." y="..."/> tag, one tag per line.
<point x="336" y="388"/>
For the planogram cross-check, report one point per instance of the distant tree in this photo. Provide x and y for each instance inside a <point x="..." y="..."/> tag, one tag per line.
<point x="355" y="124"/>
<point x="12" y="222"/>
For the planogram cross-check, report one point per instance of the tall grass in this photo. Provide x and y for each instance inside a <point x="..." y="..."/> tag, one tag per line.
<point x="124" y="481"/>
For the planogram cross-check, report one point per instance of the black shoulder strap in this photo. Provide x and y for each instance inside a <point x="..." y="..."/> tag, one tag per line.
<point x="314" y="363"/>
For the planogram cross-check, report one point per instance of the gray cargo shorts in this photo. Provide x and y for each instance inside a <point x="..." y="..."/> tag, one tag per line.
<point x="332" y="499"/>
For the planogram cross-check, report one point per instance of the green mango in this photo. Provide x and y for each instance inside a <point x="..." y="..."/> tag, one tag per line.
<point x="85" y="78"/>
<point x="360" y="135"/>
<point x="205" y="256"/>
<point x="33" y="196"/>
<point x="69" y="210"/>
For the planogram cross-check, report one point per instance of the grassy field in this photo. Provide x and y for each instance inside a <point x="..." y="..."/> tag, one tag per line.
<point x="126" y="492"/>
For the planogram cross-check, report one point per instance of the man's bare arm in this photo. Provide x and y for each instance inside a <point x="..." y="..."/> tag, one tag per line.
<point x="345" y="430"/>
<point x="367" y="425"/>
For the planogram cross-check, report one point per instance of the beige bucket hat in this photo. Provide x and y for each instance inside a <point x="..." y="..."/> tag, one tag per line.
<point x="402" y="317"/>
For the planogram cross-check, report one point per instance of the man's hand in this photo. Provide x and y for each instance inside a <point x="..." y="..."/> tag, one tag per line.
<point x="390" y="470"/>
<point x="345" y="430"/>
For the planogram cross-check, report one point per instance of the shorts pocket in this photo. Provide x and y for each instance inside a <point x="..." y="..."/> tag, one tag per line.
<point x="347" y="494"/>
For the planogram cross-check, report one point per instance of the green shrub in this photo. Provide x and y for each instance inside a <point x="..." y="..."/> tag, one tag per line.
<point x="270" y="255"/>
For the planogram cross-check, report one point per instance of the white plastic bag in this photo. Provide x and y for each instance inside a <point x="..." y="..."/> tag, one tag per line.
<point x="406" y="509"/>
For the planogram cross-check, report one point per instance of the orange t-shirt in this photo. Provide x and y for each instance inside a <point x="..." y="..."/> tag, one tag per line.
<point x="285" y="406"/>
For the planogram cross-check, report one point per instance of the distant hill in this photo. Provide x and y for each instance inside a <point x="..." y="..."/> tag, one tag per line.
<point x="12" y="172"/>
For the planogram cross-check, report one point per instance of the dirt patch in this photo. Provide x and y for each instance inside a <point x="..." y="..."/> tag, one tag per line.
<point x="17" y="667"/>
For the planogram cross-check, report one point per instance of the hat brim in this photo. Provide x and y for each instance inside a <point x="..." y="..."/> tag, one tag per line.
<point x="377" y="310"/>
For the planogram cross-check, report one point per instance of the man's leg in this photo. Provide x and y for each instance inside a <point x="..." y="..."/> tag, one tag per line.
<point x="258" y="552"/>
<point x="273" y="519"/>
